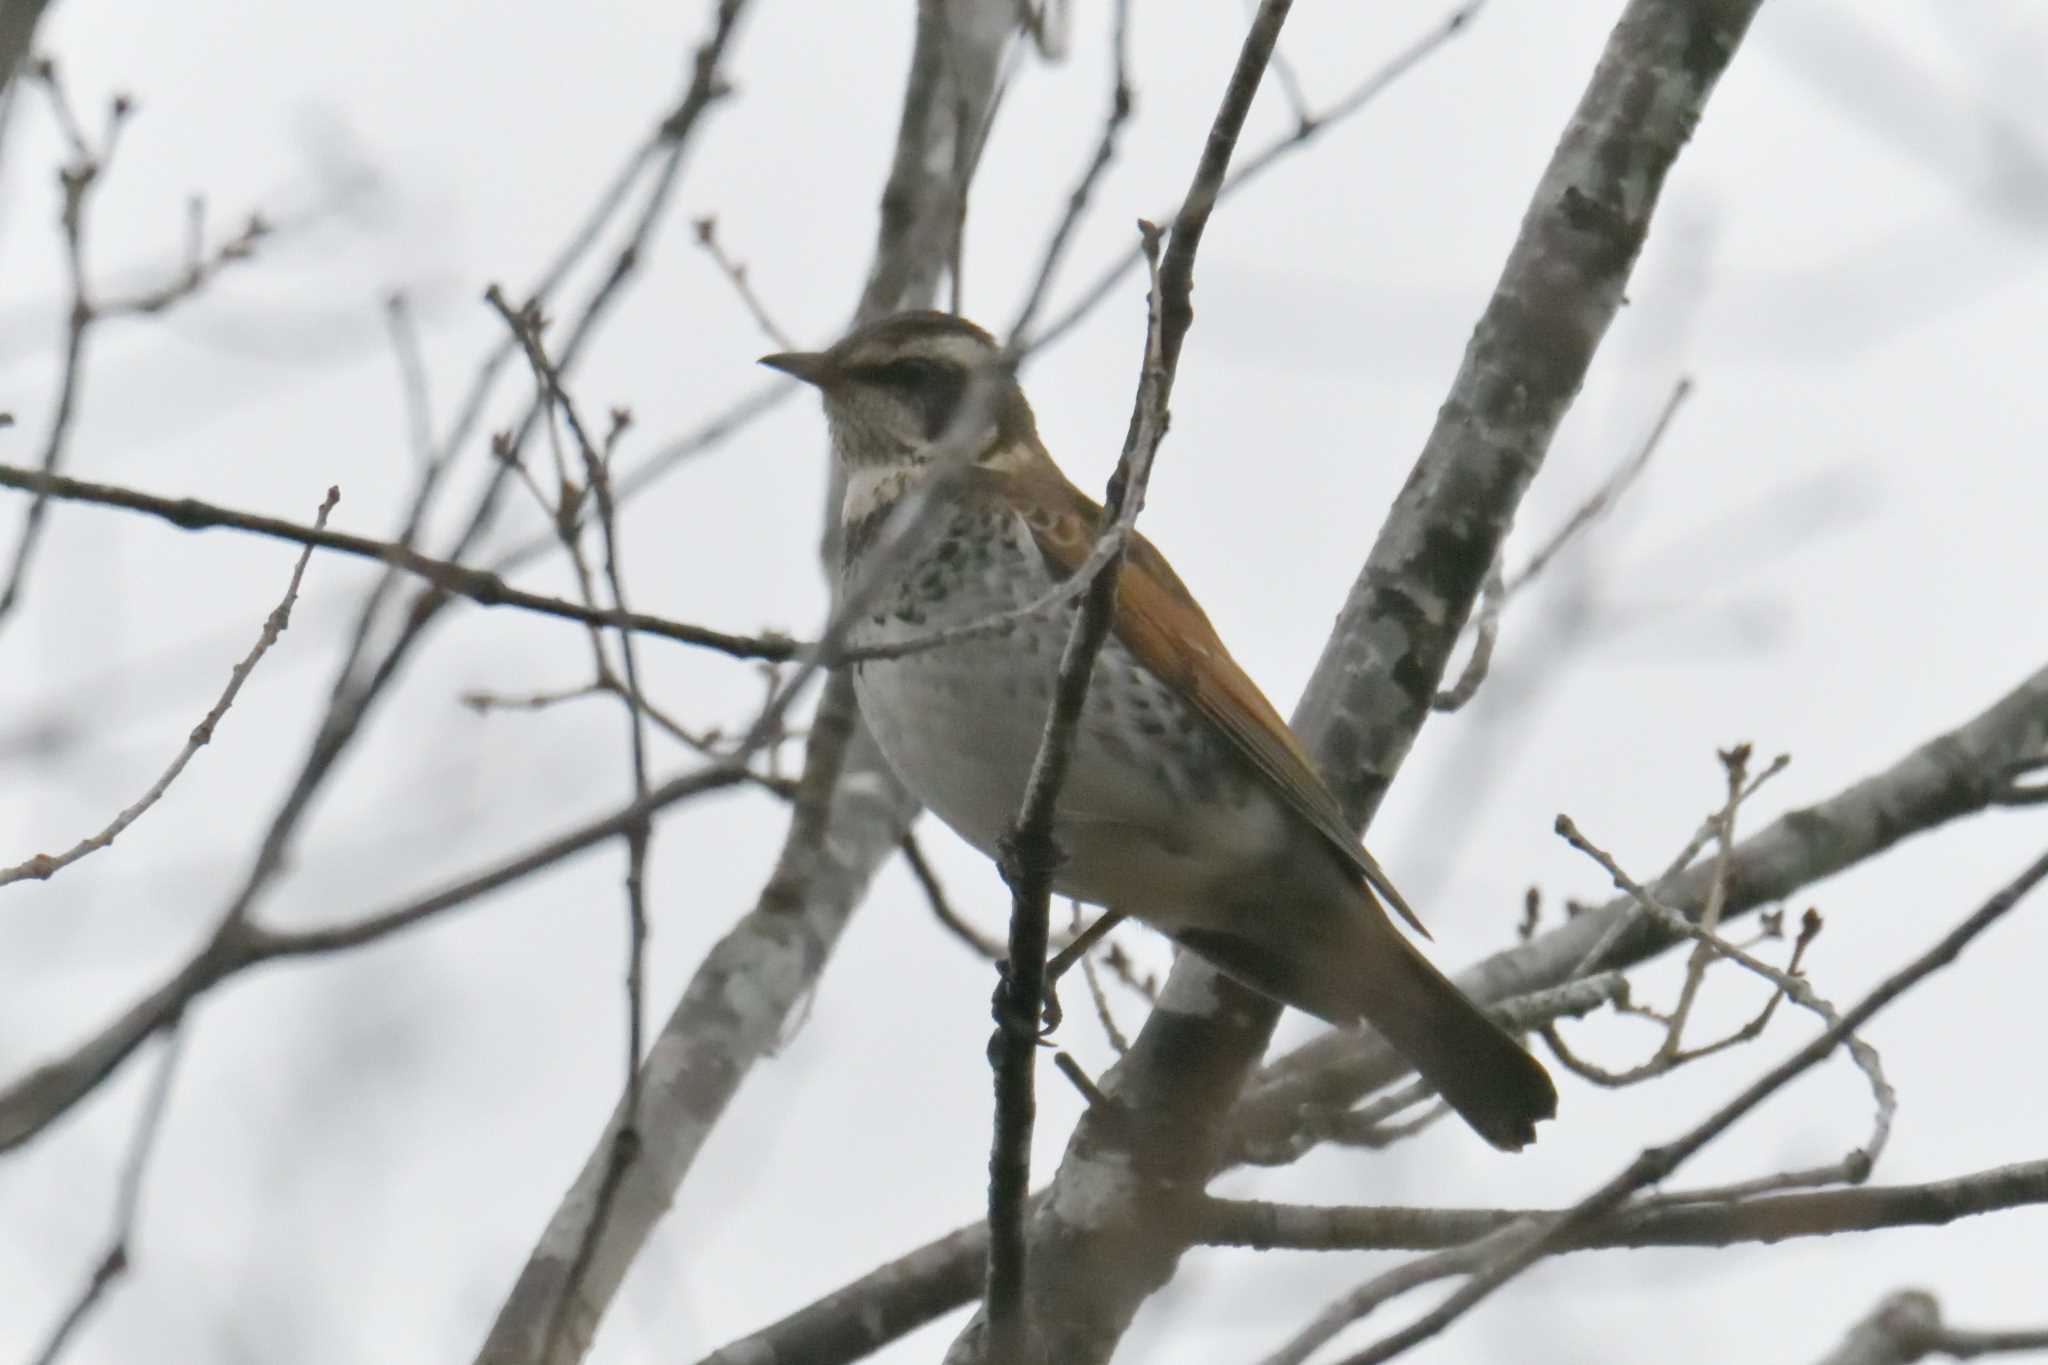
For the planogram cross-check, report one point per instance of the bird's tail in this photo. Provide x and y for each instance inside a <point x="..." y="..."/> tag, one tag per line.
<point x="1481" y="1072"/>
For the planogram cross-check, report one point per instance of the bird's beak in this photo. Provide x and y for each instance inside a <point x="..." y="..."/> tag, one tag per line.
<point x="813" y="367"/>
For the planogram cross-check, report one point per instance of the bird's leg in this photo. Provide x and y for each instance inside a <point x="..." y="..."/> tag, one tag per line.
<point x="1064" y="960"/>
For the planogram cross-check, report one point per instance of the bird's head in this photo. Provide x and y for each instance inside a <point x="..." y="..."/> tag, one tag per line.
<point x="893" y="388"/>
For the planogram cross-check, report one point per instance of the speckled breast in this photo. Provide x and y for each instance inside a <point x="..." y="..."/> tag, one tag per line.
<point x="1153" y="795"/>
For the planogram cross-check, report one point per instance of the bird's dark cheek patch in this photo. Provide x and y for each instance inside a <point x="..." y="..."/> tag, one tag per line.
<point x="940" y="394"/>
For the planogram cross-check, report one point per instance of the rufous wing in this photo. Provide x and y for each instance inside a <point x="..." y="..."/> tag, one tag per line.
<point x="1160" y="622"/>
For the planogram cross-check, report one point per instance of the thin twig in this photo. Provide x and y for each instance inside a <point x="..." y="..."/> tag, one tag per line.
<point x="413" y="384"/>
<point x="625" y="1144"/>
<point x="457" y="580"/>
<point x="44" y="866"/>
<point x="1657" y="1163"/>
<point x="1030" y="854"/>
<point x="1494" y="595"/>
<point x="1120" y="103"/>
<point x="942" y="907"/>
<point x="119" y="1256"/>
<point x="1486" y="632"/>
<point x="1607" y="494"/>
<point x="30" y="1104"/>
<point x="1856" y="1164"/>
<point x="87" y="168"/>
<point x="706" y="229"/>
<point x="1359" y="96"/>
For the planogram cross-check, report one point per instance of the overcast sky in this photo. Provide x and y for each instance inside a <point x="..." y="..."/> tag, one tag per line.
<point x="1837" y="553"/>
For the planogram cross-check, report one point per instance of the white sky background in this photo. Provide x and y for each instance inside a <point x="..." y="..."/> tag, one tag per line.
<point x="1837" y="552"/>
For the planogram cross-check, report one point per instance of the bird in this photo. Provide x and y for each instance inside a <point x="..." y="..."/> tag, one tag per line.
<point x="1189" y="803"/>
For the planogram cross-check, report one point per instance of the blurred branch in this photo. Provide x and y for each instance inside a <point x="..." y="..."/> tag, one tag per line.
<point x="1496" y="591"/>
<point x="1120" y="101"/>
<point x="1907" y="1327"/>
<point x="43" y="866"/>
<point x="32" y="1103"/>
<point x="735" y="274"/>
<point x="115" y="1261"/>
<point x="942" y="906"/>
<point x="89" y="164"/>
<point x="412" y="378"/>
<point x="1607" y="494"/>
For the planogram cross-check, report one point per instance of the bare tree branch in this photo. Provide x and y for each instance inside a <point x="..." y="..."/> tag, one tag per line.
<point x="30" y="1104"/>
<point x="1117" y="1215"/>
<point x="735" y="273"/>
<point x="1496" y="591"/>
<point x="1030" y="859"/>
<point x="43" y="866"/>
<point x="455" y="580"/>
<point x="1005" y="1332"/>
<point x="1953" y="775"/>
<point x="90" y="161"/>
<point x="1305" y="131"/>
<point x="1120" y="100"/>
<point x="1773" y="1218"/>
<point x="1657" y="1163"/>
<point x="718" y="1031"/>
<point x="115" y="1261"/>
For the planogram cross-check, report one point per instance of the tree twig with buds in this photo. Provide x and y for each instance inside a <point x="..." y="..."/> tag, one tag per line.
<point x="1657" y="1163"/>
<point x="86" y="170"/>
<point x="44" y="866"/>
<point x="1030" y="856"/>
<point x="480" y="586"/>
<point x="626" y="1137"/>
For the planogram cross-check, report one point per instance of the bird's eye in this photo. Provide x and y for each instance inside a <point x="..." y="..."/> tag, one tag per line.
<point x="911" y="372"/>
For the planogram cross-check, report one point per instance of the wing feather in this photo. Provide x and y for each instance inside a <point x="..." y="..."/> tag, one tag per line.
<point x="1158" y="620"/>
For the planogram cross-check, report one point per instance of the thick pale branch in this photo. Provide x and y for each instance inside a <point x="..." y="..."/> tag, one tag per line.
<point x="1111" y="1212"/>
